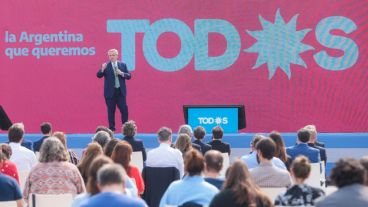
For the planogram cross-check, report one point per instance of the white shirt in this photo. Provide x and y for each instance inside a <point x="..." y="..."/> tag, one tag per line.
<point x="165" y="156"/>
<point x="23" y="158"/>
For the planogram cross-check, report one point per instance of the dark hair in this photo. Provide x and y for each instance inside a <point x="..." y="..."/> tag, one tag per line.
<point x="214" y="160"/>
<point x="16" y="132"/>
<point x="267" y="148"/>
<point x="93" y="150"/>
<point x="194" y="162"/>
<point x="364" y="163"/>
<point x="96" y="164"/>
<point x="129" y="128"/>
<point x="111" y="174"/>
<point x="280" y="146"/>
<point x="105" y="129"/>
<point x="6" y="150"/>
<point x="199" y="132"/>
<point x="122" y="154"/>
<point x="109" y="146"/>
<point x="164" y="134"/>
<point x="303" y="135"/>
<point x="347" y="171"/>
<point x="46" y="127"/>
<point x="217" y="132"/>
<point x="301" y="167"/>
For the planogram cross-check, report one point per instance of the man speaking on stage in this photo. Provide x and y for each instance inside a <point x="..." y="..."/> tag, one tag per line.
<point x="115" y="73"/>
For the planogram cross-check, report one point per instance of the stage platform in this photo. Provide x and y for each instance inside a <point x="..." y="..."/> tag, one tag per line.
<point x="338" y="145"/>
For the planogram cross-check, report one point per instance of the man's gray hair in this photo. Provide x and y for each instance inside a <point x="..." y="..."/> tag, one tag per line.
<point x="101" y="138"/>
<point x="164" y="134"/>
<point x="53" y="150"/>
<point x="111" y="174"/>
<point x="114" y="51"/>
<point x="186" y="129"/>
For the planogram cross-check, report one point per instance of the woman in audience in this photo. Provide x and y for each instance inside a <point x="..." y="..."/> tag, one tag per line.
<point x="193" y="189"/>
<point x="109" y="147"/>
<point x="53" y="174"/>
<point x="72" y="157"/>
<point x="122" y="155"/>
<point x="8" y="167"/>
<point x="239" y="190"/>
<point x="183" y="143"/>
<point x="280" y="149"/>
<point x="300" y="194"/>
<point x="93" y="150"/>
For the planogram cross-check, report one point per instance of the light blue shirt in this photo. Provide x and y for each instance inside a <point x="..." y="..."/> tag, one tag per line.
<point x="192" y="188"/>
<point x="251" y="161"/>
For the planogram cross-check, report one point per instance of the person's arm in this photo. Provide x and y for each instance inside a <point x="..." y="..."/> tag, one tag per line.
<point x="144" y="154"/>
<point x="101" y="72"/>
<point x="126" y="73"/>
<point x="20" y="203"/>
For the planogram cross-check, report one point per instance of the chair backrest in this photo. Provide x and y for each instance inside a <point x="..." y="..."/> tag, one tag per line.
<point x="8" y="204"/>
<point x="137" y="160"/>
<point x="314" y="178"/>
<point x="225" y="164"/>
<point x="23" y="175"/>
<point x="157" y="180"/>
<point x="44" y="200"/>
<point x="272" y="193"/>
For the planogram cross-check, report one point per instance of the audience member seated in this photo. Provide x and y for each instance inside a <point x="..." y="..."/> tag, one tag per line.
<point x="267" y="174"/>
<point x="8" y="167"/>
<point x="72" y="157"/>
<point x="105" y="129"/>
<point x="101" y="138"/>
<point x="302" y="147"/>
<point x="193" y="188"/>
<point x="316" y="142"/>
<point x="183" y="143"/>
<point x="252" y="160"/>
<point x="93" y="150"/>
<point x="312" y="142"/>
<point x="349" y="176"/>
<point x="239" y="190"/>
<point x="111" y="183"/>
<point x="122" y="155"/>
<point x="46" y="130"/>
<point x="199" y="134"/>
<point x="300" y="194"/>
<point x="187" y="129"/>
<point x="280" y="149"/>
<point x="53" y="175"/>
<point x="217" y="143"/>
<point x="364" y="163"/>
<point x="23" y="158"/>
<point x="213" y="165"/>
<point x="109" y="147"/>
<point x="129" y="131"/>
<point x="164" y="155"/>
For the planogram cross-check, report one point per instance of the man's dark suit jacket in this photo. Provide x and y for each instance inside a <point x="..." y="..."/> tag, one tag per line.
<point x="137" y="145"/>
<point x="109" y="82"/>
<point x="37" y="144"/>
<point x="322" y="152"/>
<point x="320" y="144"/>
<point x="27" y="144"/>
<point x="219" y="145"/>
<point x="204" y="147"/>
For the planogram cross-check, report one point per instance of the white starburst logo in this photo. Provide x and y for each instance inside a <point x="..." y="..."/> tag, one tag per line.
<point x="279" y="44"/>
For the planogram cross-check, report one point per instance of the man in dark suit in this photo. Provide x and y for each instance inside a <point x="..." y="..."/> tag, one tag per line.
<point x="217" y="143"/>
<point x="312" y="142"/>
<point x="302" y="147"/>
<point x="115" y="73"/>
<point x="199" y="133"/>
<point x="46" y="129"/>
<point x="129" y="130"/>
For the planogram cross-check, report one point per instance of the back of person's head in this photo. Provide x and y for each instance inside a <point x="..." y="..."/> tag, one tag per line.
<point x="6" y="150"/>
<point x="122" y="154"/>
<point x="214" y="161"/>
<point x="199" y="132"/>
<point x="347" y="171"/>
<point x="96" y="164"/>
<point x="312" y="131"/>
<point x="52" y="150"/>
<point x="303" y="135"/>
<point x="16" y="132"/>
<point x="280" y="145"/>
<point x="46" y="128"/>
<point x="267" y="148"/>
<point x="183" y="143"/>
<point x="164" y="134"/>
<point x="101" y="138"/>
<point x="217" y="132"/>
<point x="105" y="129"/>
<point x="301" y="167"/>
<point x="111" y="174"/>
<point x="364" y="162"/>
<point x="256" y="139"/>
<point x="186" y="129"/>
<point x="93" y="150"/>
<point x="109" y="147"/>
<point x="62" y="137"/>
<point x="129" y="128"/>
<point x="193" y="162"/>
